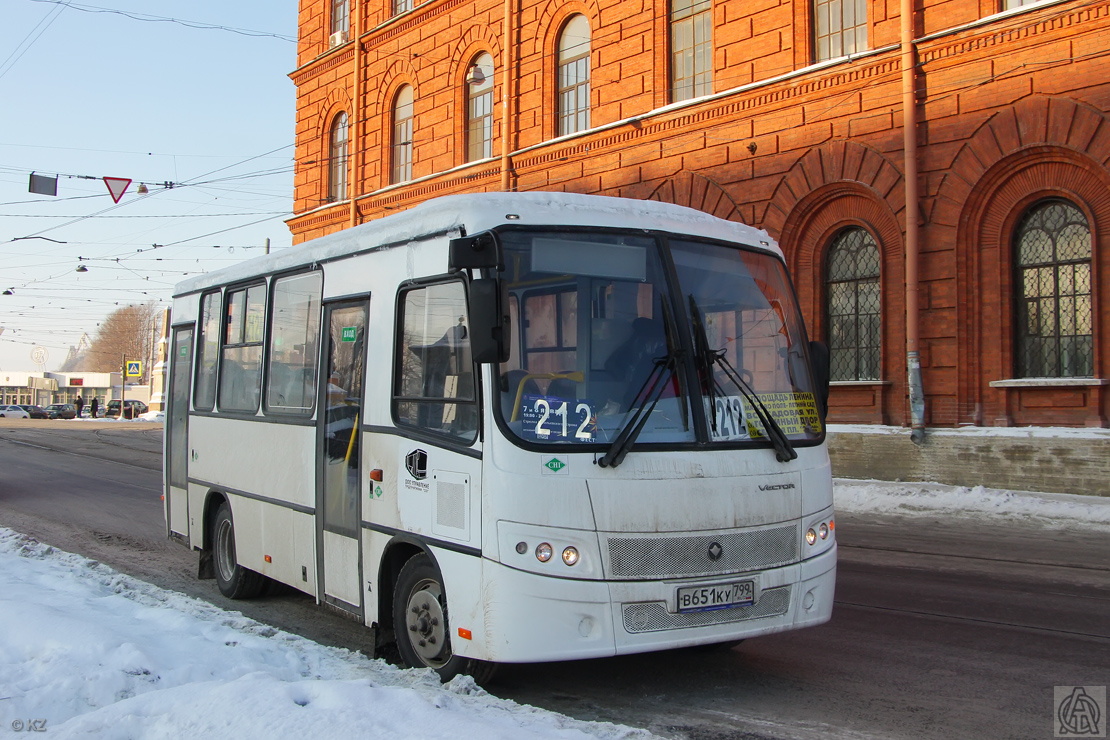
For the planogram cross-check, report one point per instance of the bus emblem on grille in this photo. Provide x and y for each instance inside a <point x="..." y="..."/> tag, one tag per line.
<point x="715" y="551"/>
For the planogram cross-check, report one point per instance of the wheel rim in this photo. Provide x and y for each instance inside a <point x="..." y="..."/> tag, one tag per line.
<point x="225" y="550"/>
<point x="426" y="624"/>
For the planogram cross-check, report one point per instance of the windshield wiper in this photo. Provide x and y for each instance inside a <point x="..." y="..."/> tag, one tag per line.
<point x="662" y="370"/>
<point x="706" y="358"/>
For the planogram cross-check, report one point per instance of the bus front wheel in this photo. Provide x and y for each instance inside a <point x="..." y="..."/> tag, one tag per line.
<point x="421" y="624"/>
<point x="235" y="581"/>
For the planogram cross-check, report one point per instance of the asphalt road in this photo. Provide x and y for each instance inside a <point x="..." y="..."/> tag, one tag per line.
<point x="942" y="628"/>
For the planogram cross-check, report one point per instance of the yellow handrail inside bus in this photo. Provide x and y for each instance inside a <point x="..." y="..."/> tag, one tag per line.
<point x="351" y="442"/>
<point x="577" y="376"/>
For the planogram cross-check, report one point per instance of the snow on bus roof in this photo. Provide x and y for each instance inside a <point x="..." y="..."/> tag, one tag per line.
<point x="482" y="211"/>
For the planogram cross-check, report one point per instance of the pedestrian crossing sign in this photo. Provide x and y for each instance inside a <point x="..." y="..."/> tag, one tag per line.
<point x="134" y="369"/>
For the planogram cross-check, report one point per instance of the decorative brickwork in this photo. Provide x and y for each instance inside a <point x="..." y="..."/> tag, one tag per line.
<point x="1011" y="110"/>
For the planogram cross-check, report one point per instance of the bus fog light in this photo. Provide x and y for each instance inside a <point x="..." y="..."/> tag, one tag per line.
<point x="811" y="536"/>
<point x="823" y="530"/>
<point x="570" y="555"/>
<point x="543" y="552"/>
<point x="807" y="601"/>
<point x="521" y="547"/>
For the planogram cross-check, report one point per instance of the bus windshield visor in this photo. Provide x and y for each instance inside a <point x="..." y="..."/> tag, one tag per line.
<point x="597" y="336"/>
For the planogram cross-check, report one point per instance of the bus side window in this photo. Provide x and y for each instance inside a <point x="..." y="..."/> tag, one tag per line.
<point x="434" y="387"/>
<point x="293" y="344"/>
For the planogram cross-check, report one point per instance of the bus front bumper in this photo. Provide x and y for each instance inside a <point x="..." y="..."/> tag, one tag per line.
<point x="533" y="618"/>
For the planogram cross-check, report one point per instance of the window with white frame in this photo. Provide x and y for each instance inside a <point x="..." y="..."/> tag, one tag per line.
<point x="840" y="28"/>
<point x="401" y="170"/>
<point x="479" y="108"/>
<point x="337" y="159"/>
<point x="574" y="76"/>
<point x="691" y="49"/>
<point x="340" y="17"/>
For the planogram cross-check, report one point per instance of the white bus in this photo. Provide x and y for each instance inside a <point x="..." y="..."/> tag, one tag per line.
<point x="510" y="427"/>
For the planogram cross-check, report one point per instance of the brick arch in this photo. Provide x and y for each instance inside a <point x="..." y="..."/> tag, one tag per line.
<point x="338" y="101"/>
<point x="552" y="20"/>
<point x="475" y="40"/>
<point x="838" y="163"/>
<point x="397" y="75"/>
<point x="552" y="16"/>
<point x="1039" y="148"/>
<point x="806" y="235"/>
<point x="695" y="190"/>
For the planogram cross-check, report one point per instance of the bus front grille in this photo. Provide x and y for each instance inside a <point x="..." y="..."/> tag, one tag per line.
<point x="659" y="556"/>
<point x="654" y="617"/>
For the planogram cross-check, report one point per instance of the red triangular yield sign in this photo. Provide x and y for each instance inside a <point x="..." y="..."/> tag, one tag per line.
<point x="117" y="186"/>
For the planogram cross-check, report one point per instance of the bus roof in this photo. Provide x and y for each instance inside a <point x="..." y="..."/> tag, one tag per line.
<point x="477" y="212"/>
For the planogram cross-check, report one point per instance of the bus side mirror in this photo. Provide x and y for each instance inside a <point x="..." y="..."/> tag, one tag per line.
<point x="489" y="323"/>
<point x="474" y="252"/>
<point x="822" y="373"/>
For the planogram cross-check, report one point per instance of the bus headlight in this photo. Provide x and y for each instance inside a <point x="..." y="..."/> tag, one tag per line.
<point x="543" y="552"/>
<point x="820" y="533"/>
<point x="570" y="555"/>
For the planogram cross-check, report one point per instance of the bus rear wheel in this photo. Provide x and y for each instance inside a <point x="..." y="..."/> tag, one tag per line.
<point x="421" y="624"/>
<point x="235" y="581"/>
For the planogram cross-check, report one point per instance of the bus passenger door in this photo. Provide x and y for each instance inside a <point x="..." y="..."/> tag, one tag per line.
<point x="177" y="434"/>
<point x="338" y="480"/>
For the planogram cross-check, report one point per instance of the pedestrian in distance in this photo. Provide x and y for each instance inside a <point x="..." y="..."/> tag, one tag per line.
<point x="93" y="407"/>
<point x="80" y="404"/>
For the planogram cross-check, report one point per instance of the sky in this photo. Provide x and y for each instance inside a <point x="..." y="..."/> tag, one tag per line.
<point x="89" y="652"/>
<point x="195" y="94"/>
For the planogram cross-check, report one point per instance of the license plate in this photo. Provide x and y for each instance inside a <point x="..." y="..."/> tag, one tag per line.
<point x="717" y="596"/>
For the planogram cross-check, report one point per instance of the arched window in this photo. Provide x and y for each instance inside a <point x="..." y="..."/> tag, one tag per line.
<point x="401" y="170"/>
<point x="853" y="306"/>
<point x="691" y="49"/>
<point x="479" y="108"/>
<point x="574" y="76"/>
<point x="337" y="159"/>
<point x="1053" y="293"/>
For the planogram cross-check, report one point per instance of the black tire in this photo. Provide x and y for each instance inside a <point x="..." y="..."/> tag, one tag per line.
<point x="421" y="624"/>
<point x="235" y="581"/>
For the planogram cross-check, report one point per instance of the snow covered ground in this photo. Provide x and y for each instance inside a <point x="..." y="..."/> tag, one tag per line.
<point x="88" y="652"/>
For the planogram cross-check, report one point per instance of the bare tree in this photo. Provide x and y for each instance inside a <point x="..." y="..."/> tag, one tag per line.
<point x="129" y="334"/>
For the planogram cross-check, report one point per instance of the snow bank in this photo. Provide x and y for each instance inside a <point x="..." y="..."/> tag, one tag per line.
<point x="89" y="652"/>
<point x="1053" y="510"/>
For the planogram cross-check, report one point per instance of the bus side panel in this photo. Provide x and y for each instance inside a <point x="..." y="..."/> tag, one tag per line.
<point x="272" y="461"/>
<point x="433" y="495"/>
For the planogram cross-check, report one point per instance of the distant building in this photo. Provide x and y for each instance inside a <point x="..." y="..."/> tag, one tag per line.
<point x="45" y="388"/>
<point x="788" y="116"/>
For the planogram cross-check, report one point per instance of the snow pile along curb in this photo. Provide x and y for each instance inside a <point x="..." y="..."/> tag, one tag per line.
<point x="88" y="652"/>
<point x="1053" y="510"/>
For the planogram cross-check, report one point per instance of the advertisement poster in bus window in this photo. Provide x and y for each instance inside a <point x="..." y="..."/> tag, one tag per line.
<point x="551" y="419"/>
<point x="796" y="413"/>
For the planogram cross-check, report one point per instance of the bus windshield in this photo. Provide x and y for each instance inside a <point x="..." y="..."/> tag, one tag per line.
<point x="608" y="339"/>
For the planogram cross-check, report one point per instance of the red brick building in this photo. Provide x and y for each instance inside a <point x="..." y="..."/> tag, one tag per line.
<point x="787" y="115"/>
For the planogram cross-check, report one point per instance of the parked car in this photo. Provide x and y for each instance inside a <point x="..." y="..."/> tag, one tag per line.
<point x="61" y="411"/>
<point x="132" y="408"/>
<point x="14" y="412"/>
<point x="34" y="412"/>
